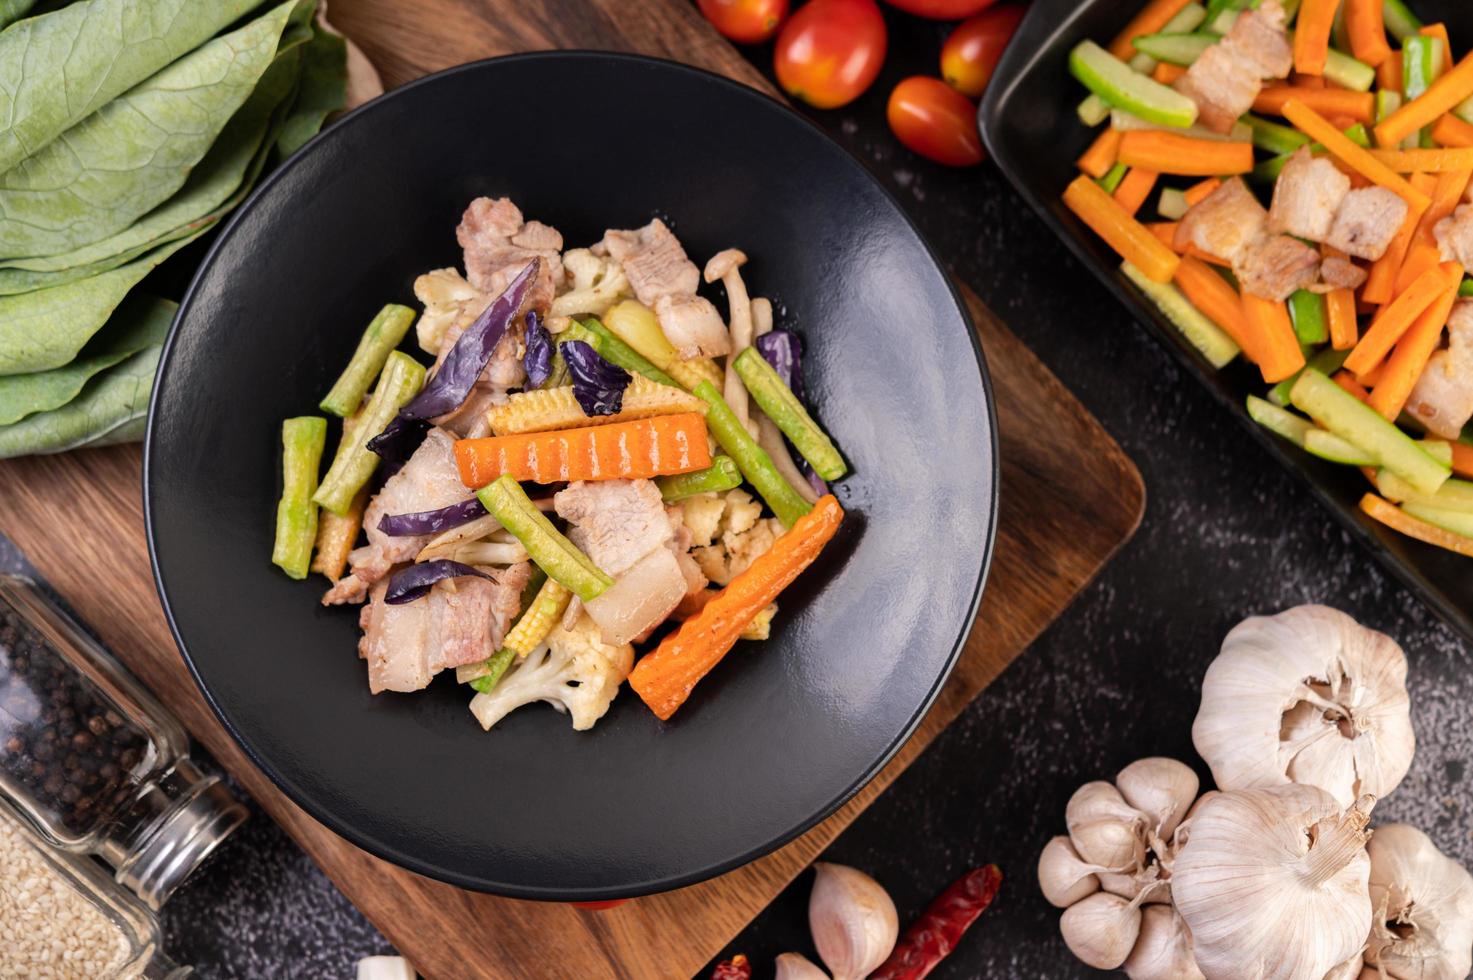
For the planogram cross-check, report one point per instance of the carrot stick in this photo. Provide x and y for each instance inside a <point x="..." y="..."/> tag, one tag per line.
<point x="1372" y="378"/>
<point x="1197" y="192"/>
<point x="1312" y="35"/>
<point x="1167" y="73"/>
<point x="1100" y="157"/>
<point x="1388" y="73"/>
<point x="1421" y="256"/>
<point x="1272" y="334"/>
<point x="1380" y="286"/>
<point x="1149" y="21"/>
<point x="1399" y="520"/>
<point x="1367" y="29"/>
<point x="665" y="678"/>
<point x="1425" y="161"/>
<point x="1347" y="381"/>
<point x="1172" y="153"/>
<point x="1313" y="125"/>
<point x="1344" y="331"/>
<point x="1397" y="318"/>
<point x="1462" y="459"/>
<point x="1127" y="236"/>
<point x="1213" y="295"/>
<point x="1441" y="96"/>
<point x="1406" y="364"/>
<point x="1424" y="252"/>
<point x="1449" y="130"/>
<point x="642" y="449"/>
<point x="1135" y="188"/>
<point x="1299" y="80"/>
<point x="1359" y="106"/>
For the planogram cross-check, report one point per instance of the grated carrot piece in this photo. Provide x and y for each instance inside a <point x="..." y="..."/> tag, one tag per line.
<point x="1405" y="365"/>
<point x="1100" y="157"/>
<point x="1441" y="96"/>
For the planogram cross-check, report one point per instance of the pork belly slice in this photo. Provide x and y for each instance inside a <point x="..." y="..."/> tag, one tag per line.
<point x="615" y="522"/>
<point x="498" y="244"/>
<point x="1258" y="37"/>
<point x="1365" y="223"/>
<point x="693" y="326"/>
<point x="1227" y="77"/>
<point x="1338" y="273"/>
<point x="1224" y="222"/>
<point x="654" y="262"/>
<point x="1276" y="267"/>
<point x="1443" y="397"/>
<point x="1455" y="236"/>
<point x="1306" y="196"/>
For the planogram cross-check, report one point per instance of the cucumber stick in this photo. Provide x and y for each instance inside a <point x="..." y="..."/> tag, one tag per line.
<point x="1273" y="137"/>
<point x="1327" y="361"/>
<point x="1306" y="435"/>
<point x="1456" y="521"/>
<point x="1343" y="414"/>
<point x="1400" y="22"/>
<point x="1453" y="495"/>
<point x="1307" y="310"/>
<point x="1173" y="204"/>
<point x="1207" y="337"/>
<point x="1183" y="49"/>
<point x="1327" y="445"/>
<point x="1114" y="81"/>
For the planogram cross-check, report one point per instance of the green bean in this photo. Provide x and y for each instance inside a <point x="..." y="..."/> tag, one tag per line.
<point x="751" y="458"/>
<point x="495" y="667"/>
<point x="400" y="381"/>
<point x="721" y="475"/>
<point x="381" y="337"/>
<point x="552" y="552"/>
<point x="788" y="414"/>
<point x="302" y="440"/>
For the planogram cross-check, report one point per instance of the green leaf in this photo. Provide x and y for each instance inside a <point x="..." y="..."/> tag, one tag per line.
<point x="13" y="10"/>
<point x="57" y="69"/>
<point x="130" y="431"/>
<point x="323" y="90"/>
<point x="99" y="176"/>
<point x="137" y="324"/>
<point x="114" y="398"/>
<point x="218" y="184"/>
<point x="45" y="329"/>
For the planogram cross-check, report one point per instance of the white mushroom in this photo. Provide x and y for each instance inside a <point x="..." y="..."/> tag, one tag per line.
<point x="726" y="266"/>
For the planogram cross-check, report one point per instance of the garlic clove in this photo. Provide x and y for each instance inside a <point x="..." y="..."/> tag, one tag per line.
<point x="1062" y="876"/>
<point x="1145" y="884"/>
<point x="1110" y="844"/>
<point x="852" y="919"/>
<point x="1162" y="789"/>
<point x="1163" y="950"/>
<point x="1349" y="970"/>
<point x="1423" y="907"/>
<point x="1101" y="930"/>
<point x="1097" y="801"/>
<point x="796" y="966"/>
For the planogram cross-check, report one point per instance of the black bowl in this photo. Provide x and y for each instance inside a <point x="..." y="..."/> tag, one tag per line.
<point x="782" y="732"/>
<point x="1030" y="127"/>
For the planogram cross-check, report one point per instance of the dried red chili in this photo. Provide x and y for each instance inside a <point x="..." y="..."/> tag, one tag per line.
<point x="935" y="934"/>
<point x="736" y="968"/>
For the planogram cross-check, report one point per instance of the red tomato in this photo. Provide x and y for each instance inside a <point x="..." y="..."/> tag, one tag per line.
<point x="943" y="9"/>
<point x="600" y="906"/>
<point x="745" y="21"/>
<point x="830" y="51"/>
<point x="936" y="121"/>
<point x="973" y="49"/>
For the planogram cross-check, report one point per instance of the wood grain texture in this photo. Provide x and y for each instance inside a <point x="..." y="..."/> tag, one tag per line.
<point x="1068" y="501"/>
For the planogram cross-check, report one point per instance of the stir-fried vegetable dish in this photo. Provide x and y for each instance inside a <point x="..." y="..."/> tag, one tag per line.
<point x="1291" y="182"/>
<point x="595" y="453"/>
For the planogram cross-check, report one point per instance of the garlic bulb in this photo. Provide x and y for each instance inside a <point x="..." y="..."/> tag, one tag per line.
<point x="1423" y="908"/>
<point x="852" y="919"/>
<point x="796" y="966"/>
<point x="1104" y="829"/>
<point x="1350" y="969"/>
<point x="1308" y="696"/>
<point x="1163" y="951"/>
<point x="1160" y="788"/>
<point x="1062" y="876"/>
<point x="1101" y="930"/>
<point x="1272" y="883"/>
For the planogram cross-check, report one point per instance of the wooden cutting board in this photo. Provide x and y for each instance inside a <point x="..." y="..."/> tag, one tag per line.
<point x="1067" y="504"/>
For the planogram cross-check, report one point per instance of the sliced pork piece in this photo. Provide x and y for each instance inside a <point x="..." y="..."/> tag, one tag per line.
<point x="1443" y="397"/>
<point x="1258" y="37"/>
<point x="498" y="244"/>
<point x="693" y="326"/>
<point x="1306" y="196"/>
<point x="1455" y="236"/>
<point x="654" y="262"/>
<point x="1275" y="267"/>
<point x="429" y="480"/>
<point x="615" y="522"/>
<point x="1366" y="222"/>
<point x="1227" y="77"/>
<point x="1338" y="273"/>
<point x="1224" y="222"/>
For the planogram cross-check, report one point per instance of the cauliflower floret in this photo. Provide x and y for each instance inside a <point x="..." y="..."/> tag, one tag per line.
<point x="597" y="283"/>
<point x="743" y="535"/>
<point x="702" y="515"/>
<point x="447" y="299"/>
<point x="741" y="512"/>
<point x="575" y="671"/>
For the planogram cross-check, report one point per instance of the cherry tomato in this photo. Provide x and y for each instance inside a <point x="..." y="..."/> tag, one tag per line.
<point x="936" y="121"/>
<point x="745" y="21"/>
<point x="943" y="9"/>
<point x="971" y="52"/>
<point x="830" y="51"/>
<point x="600" y="906"/>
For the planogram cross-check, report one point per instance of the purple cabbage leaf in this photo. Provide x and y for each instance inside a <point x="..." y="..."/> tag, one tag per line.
<point x="597" y="384"/>
<point x="432" y="521"/>
<point x="415" y="581"/>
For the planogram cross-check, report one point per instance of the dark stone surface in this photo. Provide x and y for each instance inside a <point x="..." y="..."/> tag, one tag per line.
<point x="1226" y="534"/>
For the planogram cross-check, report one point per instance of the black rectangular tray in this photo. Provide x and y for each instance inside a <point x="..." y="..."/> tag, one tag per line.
<point x="1029" y="124"/>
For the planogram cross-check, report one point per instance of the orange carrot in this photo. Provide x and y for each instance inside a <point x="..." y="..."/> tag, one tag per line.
<point x="1421" y="256"/>
<point x="1197" y="192"/>
<point x="1359" y="106"/>
<point x="1380" y="287"/>
<point x="1424" y="252"/>
<point x="1406" y="364"/>
<point x="1441" y="96"/>
<point x="1425" y="161"/>
<point x="1100" y="156"/>
<point x="665" y="678"/>
<point x="1149" y="21"/>
<point x="642" y="449"/>
<point x="1449" y="130"/>
<point x="1388" y="73"/>
<point x="1367" y="29"/>
<point x="1340" y="305"/>
<point x="1313" y="125"/>
<point x="1135" y="188"/>
<point x="1216" y="298"/>
<point x="1167" y="73"/>
<point x="1172" y="153"/>
<point x="1463" y="459"/>
<point x="1347" y="381"/>
<point x="1399" y="520"/>
<point x="1393" y="321"/>
<point x="1271" y="334"/>
<point x="1312" y="35"/>
<point x="1299" y="80"/>
<point x="1127" y="236"/>
<point x="1372" y="378"/>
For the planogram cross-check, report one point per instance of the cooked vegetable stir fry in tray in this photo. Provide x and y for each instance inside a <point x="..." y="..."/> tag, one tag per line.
<point x="1310" y="169"/>
<point x="569" y="476"/>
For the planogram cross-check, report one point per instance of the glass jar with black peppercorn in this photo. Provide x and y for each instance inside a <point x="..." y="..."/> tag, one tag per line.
<point x="92" y="761"/>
